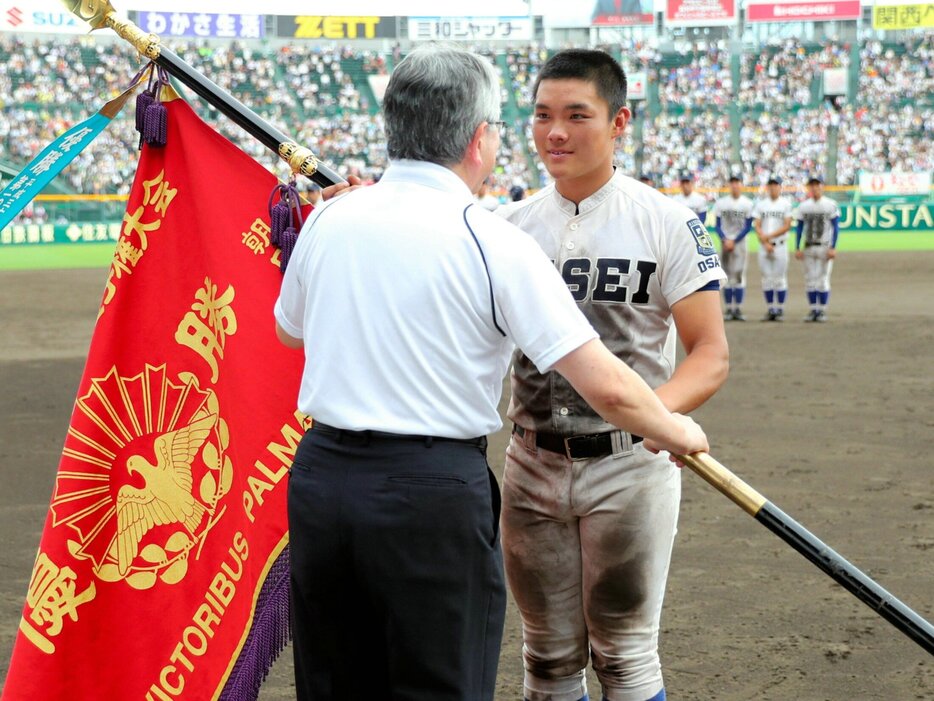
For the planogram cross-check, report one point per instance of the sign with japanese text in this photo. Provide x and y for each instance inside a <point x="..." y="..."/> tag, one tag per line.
<point x="162" y="572"/>
<point x="700" y="13"/>
<point x="203" y="24"/>
<point x="41" y="170"/>
<point x="808" y="11"/>
<point x="891" y="183"/>
<point x="470" y="28"/>
<point x="622" y="13"/>
<point x="902" y="15"/>
<point x="336" y="27"/>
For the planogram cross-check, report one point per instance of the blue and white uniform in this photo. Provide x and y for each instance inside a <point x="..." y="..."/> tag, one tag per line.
<point x="696" y="202"/>
<point x="733" y="217"/>
<point x="817" y="230"/>
<point x="771" y="216"/>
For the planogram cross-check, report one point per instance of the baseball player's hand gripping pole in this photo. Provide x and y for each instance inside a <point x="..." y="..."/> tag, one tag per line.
<point x="806" y="543"/>
<point x="100" y="14"/>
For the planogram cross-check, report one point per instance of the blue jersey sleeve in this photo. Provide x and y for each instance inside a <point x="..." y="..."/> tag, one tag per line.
<point x="746" y="229"/>
<point x="798" y="233"/>
<point x="836" y="231"/>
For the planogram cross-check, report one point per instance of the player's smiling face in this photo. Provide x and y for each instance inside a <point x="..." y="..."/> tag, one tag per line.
<point x="575" y="135"/>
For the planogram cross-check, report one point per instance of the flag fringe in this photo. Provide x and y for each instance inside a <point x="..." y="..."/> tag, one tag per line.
<point x="270" y="632"/>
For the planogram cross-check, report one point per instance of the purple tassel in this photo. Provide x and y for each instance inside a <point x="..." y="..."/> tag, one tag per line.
<point x="143" y="100"/>
<point x="280" y="217"/>
<point x="155" y="125"/>
<point x="286" y="245"/>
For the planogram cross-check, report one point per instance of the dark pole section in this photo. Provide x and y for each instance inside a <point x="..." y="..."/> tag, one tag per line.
<point x="851" y="578"/>
<point x="242" y="115"/>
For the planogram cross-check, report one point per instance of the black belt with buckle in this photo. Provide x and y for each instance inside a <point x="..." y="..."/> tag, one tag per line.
<point x="587" y="445"/>
<point x="367" y="437"/>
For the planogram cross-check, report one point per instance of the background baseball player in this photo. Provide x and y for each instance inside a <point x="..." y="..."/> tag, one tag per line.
<point x="818" y="226"/>
<point x="771" y="219"/>
<point x="589" y="514"/>
<point x="694" y="201"/>
<point x="733" y="217"/>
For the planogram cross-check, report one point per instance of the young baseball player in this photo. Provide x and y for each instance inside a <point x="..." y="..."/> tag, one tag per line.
<point x="818" y="225"/>
<point x="772" y="222"/>
<point x="589" y="514"/>
<point x="694" y="201"/>
<point x="733" y="217"/>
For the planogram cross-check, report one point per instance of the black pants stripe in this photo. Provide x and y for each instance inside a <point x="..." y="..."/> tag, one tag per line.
<point x="397" y="576"/>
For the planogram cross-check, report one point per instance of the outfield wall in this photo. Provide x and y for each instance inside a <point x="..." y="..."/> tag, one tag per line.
<point x="869" y="216"/>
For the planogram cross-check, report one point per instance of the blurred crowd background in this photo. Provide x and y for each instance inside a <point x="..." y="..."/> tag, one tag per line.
<point x="706" y="110"/>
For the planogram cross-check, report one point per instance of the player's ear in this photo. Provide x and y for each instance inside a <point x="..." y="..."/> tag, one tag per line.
<point x="620" y="120"/>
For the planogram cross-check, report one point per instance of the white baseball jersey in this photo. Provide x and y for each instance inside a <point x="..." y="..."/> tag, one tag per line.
<point x="627" y="254"/>
<point x="696" y="202"/>
<point x="773" y="265"/>
<point x="817" y="217"/>
<point x="733" y="214"/>
<point x="772" y="215"/>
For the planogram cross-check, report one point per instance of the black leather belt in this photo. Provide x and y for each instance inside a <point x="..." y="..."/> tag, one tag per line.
<point x="366" y="437"/>
<point x="587" y="445"/>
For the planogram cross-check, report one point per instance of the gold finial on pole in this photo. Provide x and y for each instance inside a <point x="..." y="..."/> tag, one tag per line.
<point x="100" y="14"/>
<point x="300" y="159"/>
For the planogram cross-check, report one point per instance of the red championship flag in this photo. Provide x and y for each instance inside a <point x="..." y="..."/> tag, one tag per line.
<point x="163" y="569"/>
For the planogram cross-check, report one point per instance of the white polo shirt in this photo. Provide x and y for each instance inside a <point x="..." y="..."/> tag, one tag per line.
<point x="410" y="298"/>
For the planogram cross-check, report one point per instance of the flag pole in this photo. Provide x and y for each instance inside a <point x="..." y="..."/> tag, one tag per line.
<point x="100" y="14"/>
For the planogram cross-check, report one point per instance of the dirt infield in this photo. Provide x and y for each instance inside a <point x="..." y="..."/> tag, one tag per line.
<point x="831" y="422"/>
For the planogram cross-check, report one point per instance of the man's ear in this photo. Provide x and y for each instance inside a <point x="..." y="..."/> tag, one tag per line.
<point x="620" y="120"/>
<point x="475" y="147"/>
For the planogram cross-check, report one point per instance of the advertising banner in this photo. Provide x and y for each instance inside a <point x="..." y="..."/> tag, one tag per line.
<point x="38" y="234"/>
<point x="622" y="13"/>
<point x="202" y="24"/>
<point x="636" y="85"/>
<point x="894" y="183"/>
<point x="902" y="15"/>
<point x="470" y="28"/>
<point x="39" y="16"/>
<point x="700" y="13"/>
<point x="917" y="216"/>
<point x="816" y="11"/>
<point x="335" y="27"/>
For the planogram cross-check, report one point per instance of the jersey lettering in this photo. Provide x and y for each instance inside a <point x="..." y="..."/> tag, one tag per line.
<point x="609" y="285"/>
<point x="576" y="274"/>
<point x="813" y="229"/>
<point x="609" y="272"/>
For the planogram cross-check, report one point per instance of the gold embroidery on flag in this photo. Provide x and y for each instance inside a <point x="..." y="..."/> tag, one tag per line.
<point x="143" y="476"/>
<point x="205" y="329"/>
<point x="52" y="597"/>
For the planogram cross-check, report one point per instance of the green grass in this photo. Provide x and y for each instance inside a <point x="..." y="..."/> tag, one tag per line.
<point x="874" y="241"/>
<point x="98" y="255"/>
<point x="56" y="256"/>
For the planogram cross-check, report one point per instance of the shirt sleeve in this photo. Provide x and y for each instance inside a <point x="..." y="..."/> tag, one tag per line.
<point x="690" y="261"/>
<point x="538" y="312"/>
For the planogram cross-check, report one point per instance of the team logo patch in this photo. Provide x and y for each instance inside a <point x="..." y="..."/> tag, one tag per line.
<point x="701" y="238"/>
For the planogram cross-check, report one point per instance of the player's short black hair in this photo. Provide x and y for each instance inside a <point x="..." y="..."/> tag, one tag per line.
<point x="596" y="67"/>
<point x="735" y="179"/>
<point x="773" y="180"/>
<point x="815" y="179"/>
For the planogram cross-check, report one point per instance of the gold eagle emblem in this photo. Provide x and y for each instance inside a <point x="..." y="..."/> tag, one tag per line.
<point x="166" y="496"/>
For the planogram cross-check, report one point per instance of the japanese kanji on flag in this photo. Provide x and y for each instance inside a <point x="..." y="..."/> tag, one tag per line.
<point x="162" y="572"/>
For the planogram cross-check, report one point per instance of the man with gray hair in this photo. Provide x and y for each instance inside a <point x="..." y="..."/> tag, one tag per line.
<point x="407" y="298"/>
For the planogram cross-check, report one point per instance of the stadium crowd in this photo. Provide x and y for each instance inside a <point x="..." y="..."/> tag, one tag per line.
<point x="321" y="96"/>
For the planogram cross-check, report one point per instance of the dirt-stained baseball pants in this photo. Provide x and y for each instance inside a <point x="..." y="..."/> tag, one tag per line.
<point x="587" y="544"/>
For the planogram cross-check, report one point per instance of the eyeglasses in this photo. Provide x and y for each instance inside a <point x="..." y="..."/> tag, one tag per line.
<point x="499" y="125"/>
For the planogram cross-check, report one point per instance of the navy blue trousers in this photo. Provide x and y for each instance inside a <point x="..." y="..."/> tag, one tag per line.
<point x="397" y="579"/>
